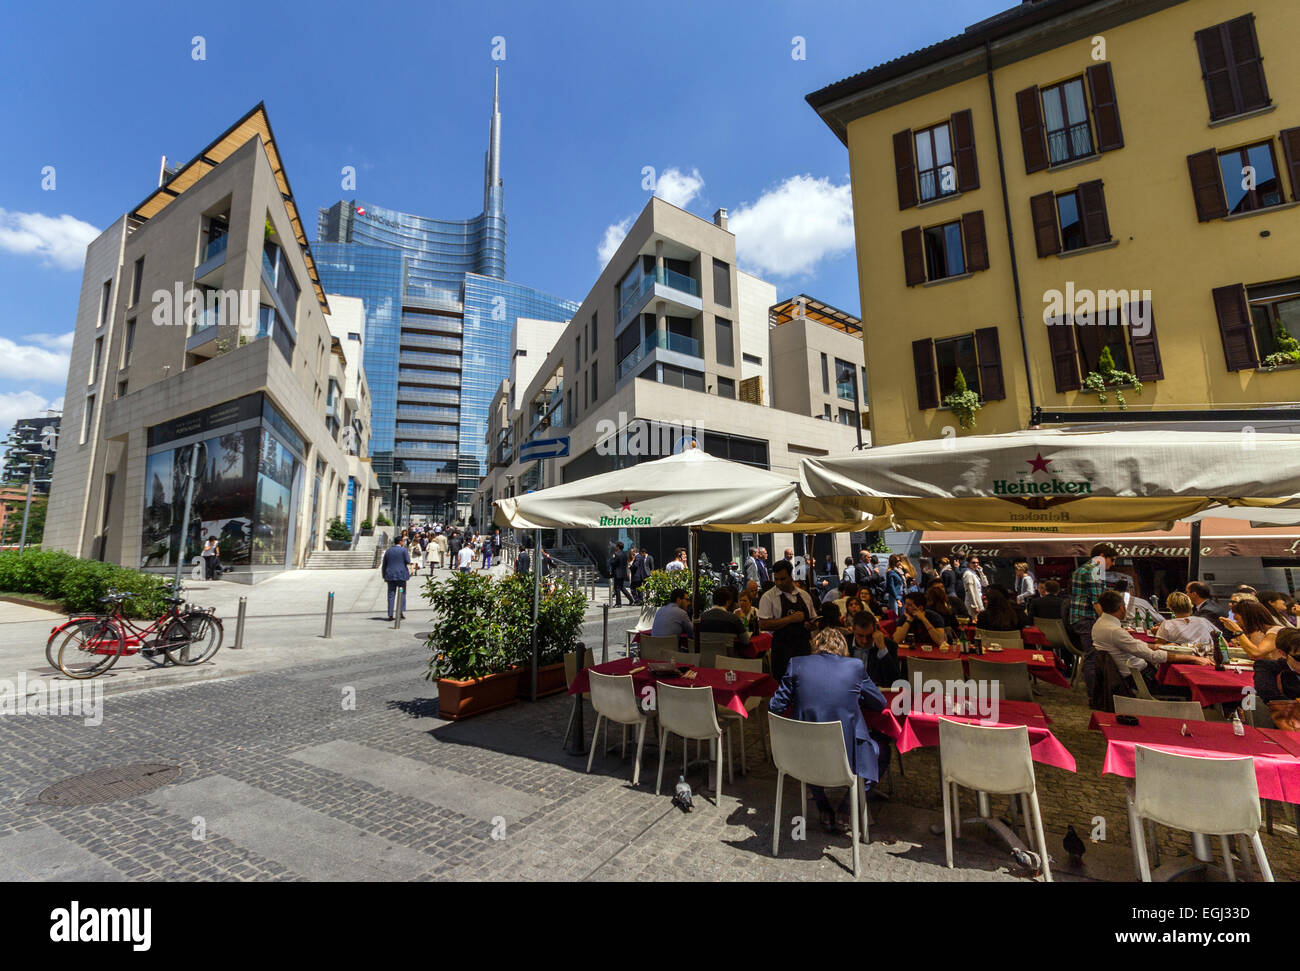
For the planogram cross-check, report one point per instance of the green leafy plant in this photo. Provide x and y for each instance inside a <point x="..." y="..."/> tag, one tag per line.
<point x="270" y="228"/>
<point x="383" y="520"/>
<point x="338" y="531"/>
<point x="367" y="524"/>
<point x="223" y="346"/>
<point x="877" y="544"/>
<point x="1108" y="378"/>
<point x="660" y="584"/>
<point x="78" y="584"/>
<point x="560" y="613"/>
<point x="467" y="639"/>
<point x="963" y="402"/>
<point x="1288" y="348"/>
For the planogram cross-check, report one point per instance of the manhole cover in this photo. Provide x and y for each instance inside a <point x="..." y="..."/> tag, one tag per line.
<point x="110" y="784"/>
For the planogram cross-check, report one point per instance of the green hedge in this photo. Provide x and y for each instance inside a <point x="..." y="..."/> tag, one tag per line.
<point x="78" y="584"/>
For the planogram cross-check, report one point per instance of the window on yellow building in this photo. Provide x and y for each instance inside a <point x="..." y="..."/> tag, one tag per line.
<point x="978" y="355"/>
<point x="1071" y="220"/>
<point x="953" y="353"/>
<point x="1232" y="68"/>
<point x="1065" y="117"/>
<point x="934" y="168"/>
<point x="944" y="251"/>
<point x="943" y="254"/>
<point x="1250" y="179"/>
<point x="1069" y="120"/>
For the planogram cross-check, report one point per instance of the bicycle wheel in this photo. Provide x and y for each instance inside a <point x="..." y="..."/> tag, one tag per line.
<point x="178" y="640"/>
<point x="57" y="635"/>
<point x="90" y="649"/>
<point x="207" y="635"/>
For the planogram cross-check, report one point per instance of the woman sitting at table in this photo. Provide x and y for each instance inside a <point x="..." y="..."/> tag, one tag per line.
<point x="1277" y="604"/>
<point x="852" y="607"/>
<point x="1277" y="680"/>
<point x="1251" y="629"/>
<point x="828" y="685"/>
<point x="830" y="618"/>
<point x="746" y="611"/>
<point x="1001" y="612"/>
<point x="1184" y="627"/>
<point x="937" y="600"/>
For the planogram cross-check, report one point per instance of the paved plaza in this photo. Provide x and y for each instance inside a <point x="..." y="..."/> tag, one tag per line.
<point x="306" y="759"/>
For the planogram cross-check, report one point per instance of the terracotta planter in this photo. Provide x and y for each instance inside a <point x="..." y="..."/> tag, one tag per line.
<point x="550" y="680"/>
<point x="465" y="699"/>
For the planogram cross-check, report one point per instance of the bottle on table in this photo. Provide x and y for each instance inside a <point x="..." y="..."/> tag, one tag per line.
<point x="1220" y="652"/>
<point x="1237" y="727"/>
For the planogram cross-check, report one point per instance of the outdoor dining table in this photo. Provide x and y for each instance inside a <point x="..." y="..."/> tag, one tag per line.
<point x="1041" y="663"/>
<point x="921" y="730"/>
<point x="1208" y="686"/>
<point x="1276" y="754"/>
<point x="1030" y="635"/>
<point x="759" y="644"/>
<point x="729" y="694"/>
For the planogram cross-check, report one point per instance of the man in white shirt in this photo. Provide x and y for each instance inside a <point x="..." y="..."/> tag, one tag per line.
<point x="972" y="588"/>
<point x="678" y="562"/>
<point x="785" y="611"/>
<point x="1133" y="657"/>
<point x="464" y="558"/>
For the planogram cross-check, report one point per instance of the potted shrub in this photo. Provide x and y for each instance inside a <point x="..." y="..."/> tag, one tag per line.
<point x="1108" y="378"/>
<point x="660" y="583"/>
<point x="560" y="613"/>
<point x="337" y="535"/>
<point x="367" y="528"/>
<point x="964" y="403"/>
<point x="470" y="654"/>
<point x="383" y="520"/>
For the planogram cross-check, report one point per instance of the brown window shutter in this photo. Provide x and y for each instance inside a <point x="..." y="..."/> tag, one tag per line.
<point x="1043" y="209"/>
<point x="1090" y="336"/>
<point x="913" y="256"/>
<point x="990" y="358"/>
<point x="1101" y="84"/>
<point x="905" y="165"/>
<point x="927" y="374"/>
<point x="1030" y="109"/>
<point x="1145" y="350"/>
<point x="963" y="151"/>
<point x="1234" y="327"/>
<point x="1065" y="362"/>
<point x="1216" y="72"/>
<point x="977" y="247"/>
<point x="1092" y="213"/>
<point x="1252" y="89"/>
<point x="1207" y="185"/>
<point x="1291" y="150"/>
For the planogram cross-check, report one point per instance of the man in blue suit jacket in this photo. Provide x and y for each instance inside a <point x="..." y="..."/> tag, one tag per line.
<point x="829" y="686"/>
<point x="396" y="567"/>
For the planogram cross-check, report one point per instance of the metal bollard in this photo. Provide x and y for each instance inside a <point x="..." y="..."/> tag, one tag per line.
<point x="401" y="608"/>
<point x="329" y="616"/>
<point x="604" y="633"/>
<point x="239" y="625"/>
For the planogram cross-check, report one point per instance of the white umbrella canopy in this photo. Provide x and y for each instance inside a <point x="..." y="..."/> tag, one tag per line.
<point x="1059" y="481"/>
<point x="691" y="488"/>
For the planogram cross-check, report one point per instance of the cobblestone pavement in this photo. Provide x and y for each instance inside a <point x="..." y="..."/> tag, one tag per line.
<point x="281" y="780"/>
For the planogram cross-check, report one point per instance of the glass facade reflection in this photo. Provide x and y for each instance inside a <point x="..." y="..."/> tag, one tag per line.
<point x="243" y="493"/>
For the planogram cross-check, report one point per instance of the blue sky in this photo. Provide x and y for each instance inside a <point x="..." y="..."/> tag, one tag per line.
<point x="705" y="93"/>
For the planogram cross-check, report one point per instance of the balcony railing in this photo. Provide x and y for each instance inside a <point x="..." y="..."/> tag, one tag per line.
<point x="215" y="248"/>
<point x="1070" y="143"/>
<point x="665" y="339"/>
<point x="667" y="278"/>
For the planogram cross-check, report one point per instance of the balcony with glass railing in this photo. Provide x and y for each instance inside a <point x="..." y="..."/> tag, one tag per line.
<point x="669" y="280"/>
<point x="666" y="340"/>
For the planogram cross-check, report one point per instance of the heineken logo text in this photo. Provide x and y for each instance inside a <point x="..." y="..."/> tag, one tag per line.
<point x="629" y="520"/>
<point x="1028" y="487"/>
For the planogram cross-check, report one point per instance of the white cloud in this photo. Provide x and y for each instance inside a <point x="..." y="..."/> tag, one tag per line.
<point x="29" y="362"/>
<point x="23" y="404"/>
<point x="614" y="235"/>
<point x="60" y="241"/>
<point x="794" y="226"/>
<point x="678" y="188"/>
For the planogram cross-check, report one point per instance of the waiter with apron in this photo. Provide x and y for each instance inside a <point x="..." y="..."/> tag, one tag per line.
<point x="785" y="610"/>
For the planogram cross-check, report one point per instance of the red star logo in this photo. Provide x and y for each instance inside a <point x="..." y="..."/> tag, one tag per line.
<point x="360" y="211"/>
<point x="1038" y="463"/>
<point x="627" y="506"/>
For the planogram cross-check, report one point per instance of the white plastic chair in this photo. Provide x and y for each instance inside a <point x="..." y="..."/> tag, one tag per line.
<point x="1009" y="639"/>
<point x="990" y="759"/>
<point x="571" y="672"/>
<point x="1058" y="638"/>
<point x="735" y="719"/>
<point x="714" y="645"/>
<point x="814" y="753"/>
<point x="682" y="657"/>
<point x="1013" y="679"/>
<point x="614" y="698"/>
<point x="657" y="648"/>
<point x="689" y="712"/>
<point x="1186" y="710"/>
<point x="1216" y="797"/>
<point x="941" y="669"/>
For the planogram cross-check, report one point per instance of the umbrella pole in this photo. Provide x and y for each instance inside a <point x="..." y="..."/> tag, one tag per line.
<point x="1194" y="554"/>
<point x="693" y="536"/>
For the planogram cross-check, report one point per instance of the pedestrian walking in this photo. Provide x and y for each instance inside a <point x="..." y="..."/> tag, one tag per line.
<point x="209" y="546"/>
<point x="464" y="558"/>
<point x="618" y="575"/>
<point x="396" y="569"/>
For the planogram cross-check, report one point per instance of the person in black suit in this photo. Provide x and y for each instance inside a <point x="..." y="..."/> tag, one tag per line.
<point x="1203" y="604"/>
<point x="828" y="685"/>
<point x="1048" y="603"/>
<point x="396" y="567"/>
<point x="618" y="574"/>
<point x="640" y="573"/>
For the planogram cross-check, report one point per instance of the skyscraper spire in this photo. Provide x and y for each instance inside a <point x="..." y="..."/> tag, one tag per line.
<point x="493" y="202"/>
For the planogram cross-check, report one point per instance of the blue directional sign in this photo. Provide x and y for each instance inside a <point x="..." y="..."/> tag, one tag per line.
<point x="544" y="448"/>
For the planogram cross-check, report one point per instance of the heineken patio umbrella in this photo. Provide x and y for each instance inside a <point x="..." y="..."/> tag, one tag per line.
<point x="1059" y="481"/>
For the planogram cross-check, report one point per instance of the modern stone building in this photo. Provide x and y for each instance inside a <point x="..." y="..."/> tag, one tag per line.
<point x="675" y="339"/>
<point x="202" y="321"/>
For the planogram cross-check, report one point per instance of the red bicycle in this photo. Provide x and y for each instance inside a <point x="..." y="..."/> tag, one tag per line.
<point x="86" y="647"/>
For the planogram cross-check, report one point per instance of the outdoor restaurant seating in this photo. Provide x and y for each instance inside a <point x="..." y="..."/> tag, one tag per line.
<point x="814" y="753"/>
<point x="683" y="657"/>
<point x="614" y="698"/>
<point x="734" y="719"/>
<point x="1058" y="639"/>
<point x="939" y="669"/>
<point x="714" y="644"/>
<point x="994" y="760"/>
<point x="1215" y="797"/>
<point x="1013" y="678"/>
<point x="1009" y="640"/>
<point x="658" y="648"/>
<point x="1186" y="710"/>
<point x="571" y="672"/>
<point x="690" y="713"/>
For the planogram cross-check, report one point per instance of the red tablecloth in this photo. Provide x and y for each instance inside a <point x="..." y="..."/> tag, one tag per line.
<point x="1277" y="770"/>
<point x="1030" y="635"/>
<point x="1208" y="686"/>
<point x="759" y="643"/>
<point x="1042" y="663"/>
<point x="748" y="684"/>
<point x="921" y="729"/>
<point x="1288" y="740"/>
<point x="887" y="627"/>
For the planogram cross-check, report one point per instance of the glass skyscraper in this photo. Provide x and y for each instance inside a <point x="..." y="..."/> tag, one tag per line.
<point x="438" y="318"/>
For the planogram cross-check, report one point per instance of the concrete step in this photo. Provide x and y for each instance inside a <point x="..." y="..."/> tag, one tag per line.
<point x="340" y="560"/>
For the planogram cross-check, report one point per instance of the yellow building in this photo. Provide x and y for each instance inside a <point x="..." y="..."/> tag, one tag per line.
<point x="1075" y="176"/>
